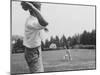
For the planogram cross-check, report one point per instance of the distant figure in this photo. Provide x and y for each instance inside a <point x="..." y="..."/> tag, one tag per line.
<point x="32" y="40"/>
<point x="68" y="54"/>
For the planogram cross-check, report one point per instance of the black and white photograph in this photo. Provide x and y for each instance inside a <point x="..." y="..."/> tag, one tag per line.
<point x="52" y="37"/>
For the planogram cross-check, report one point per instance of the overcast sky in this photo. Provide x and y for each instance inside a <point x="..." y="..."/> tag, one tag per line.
<point x="63" y="19"/>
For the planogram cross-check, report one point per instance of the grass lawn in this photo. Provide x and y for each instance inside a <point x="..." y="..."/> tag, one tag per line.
<point x="53" y="61"/>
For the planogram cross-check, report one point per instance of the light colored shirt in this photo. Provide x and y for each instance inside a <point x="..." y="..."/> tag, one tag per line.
<point x="33" y="31"/>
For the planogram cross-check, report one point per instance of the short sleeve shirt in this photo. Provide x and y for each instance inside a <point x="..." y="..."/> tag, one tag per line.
<point x="32" y="33"/>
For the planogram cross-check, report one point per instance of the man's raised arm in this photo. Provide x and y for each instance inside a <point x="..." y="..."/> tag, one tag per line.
<point x="41" y="20"/>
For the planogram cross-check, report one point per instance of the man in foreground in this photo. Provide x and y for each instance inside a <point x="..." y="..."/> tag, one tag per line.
<point x="32" y="40"/>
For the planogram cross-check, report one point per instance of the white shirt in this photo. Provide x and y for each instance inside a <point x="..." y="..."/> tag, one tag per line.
<point x="32" y="32"/>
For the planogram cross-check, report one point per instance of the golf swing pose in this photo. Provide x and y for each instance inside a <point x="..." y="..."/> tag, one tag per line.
<point x="32" y="40"/>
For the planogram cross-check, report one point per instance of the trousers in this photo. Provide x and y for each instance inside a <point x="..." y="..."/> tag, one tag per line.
<point x="33" y="58"/>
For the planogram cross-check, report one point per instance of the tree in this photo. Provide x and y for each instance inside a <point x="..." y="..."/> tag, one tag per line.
<point x="52" y="40"/>
<point x="63" y="41"/>
<point x="88" y="38"/>
<point x="93" y="37"/>
<point x="42" y="45"/>
<point x="75" y="40"/>
<point x="57" y="41"/>
<point x="84" y="38"/>
<point x="18" y="46"/>
<point x="46" y="44"/>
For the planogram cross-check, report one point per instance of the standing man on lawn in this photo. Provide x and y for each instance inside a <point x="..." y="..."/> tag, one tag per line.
<point x="32" y="40"/>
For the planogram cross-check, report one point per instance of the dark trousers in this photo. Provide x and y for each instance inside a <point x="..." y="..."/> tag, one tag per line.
<point x="33" y="58"/>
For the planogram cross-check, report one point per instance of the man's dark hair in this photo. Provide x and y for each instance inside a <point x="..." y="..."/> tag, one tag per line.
<point x="26" y="6"/>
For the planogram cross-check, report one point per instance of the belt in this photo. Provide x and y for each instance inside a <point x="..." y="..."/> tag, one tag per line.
<point x="32" y="48"/>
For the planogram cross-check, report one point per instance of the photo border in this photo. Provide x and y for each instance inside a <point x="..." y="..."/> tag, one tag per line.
<point x="60" y="4"/>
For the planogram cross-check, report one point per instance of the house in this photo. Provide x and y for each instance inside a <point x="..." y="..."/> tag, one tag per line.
<point x="53" y="45"/>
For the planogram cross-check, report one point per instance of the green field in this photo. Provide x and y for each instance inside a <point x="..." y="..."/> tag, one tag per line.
<point x="53" y="61"/>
